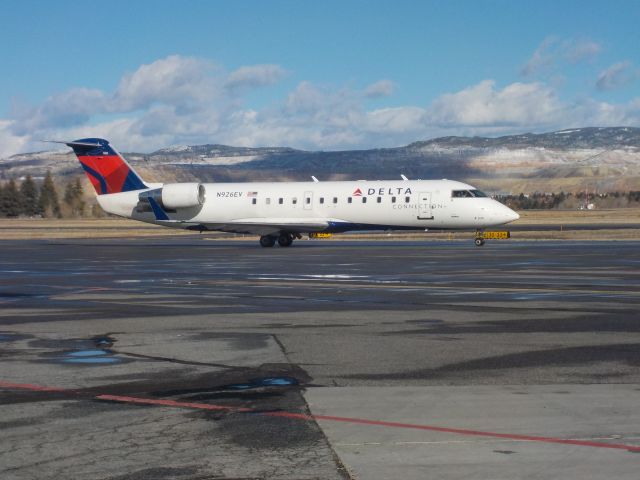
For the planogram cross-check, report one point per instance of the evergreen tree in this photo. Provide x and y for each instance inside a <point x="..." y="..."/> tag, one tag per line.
<point x="49" y="205"/>
<point x="73" y="197"/>
<point x="29" y="192"/>
<point x="11" y="199"/>
<point x="2" y="210"/>
<point x="97" y="212"/>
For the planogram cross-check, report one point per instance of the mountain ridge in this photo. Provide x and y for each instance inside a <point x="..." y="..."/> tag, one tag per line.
<point x="606" y="158"/>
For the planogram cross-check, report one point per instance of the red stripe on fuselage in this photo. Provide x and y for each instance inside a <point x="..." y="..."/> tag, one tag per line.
<point x="111" y="167"/>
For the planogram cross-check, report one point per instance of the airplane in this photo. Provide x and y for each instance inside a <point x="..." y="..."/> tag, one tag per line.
<point x="280" y="212"/>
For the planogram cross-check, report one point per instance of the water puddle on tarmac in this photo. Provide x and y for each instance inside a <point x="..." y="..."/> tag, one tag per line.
<point x="98" y="354"/>
<point x="262" y="382"/>
<point x="90" y="352"/>
<point x="91" y="357"/>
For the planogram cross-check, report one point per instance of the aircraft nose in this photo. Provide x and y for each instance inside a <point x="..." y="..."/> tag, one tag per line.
<point x="508" y="215"/>
<point x="504" y="214"/>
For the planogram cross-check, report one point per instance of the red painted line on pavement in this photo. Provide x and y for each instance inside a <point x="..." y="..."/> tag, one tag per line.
<point x="302" y="416"/>
<point x="34" y="388"/>
<point x="171" y="403"/>
<point x="480" y="433"/>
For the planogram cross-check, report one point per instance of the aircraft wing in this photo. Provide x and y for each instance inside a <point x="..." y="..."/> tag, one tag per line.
<point x="270" y="226"/>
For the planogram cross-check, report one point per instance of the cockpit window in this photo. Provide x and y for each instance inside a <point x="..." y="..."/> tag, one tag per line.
<point x="467" y="194"/>
<point x="478" y="193"/>
<point x="461" y="194"/>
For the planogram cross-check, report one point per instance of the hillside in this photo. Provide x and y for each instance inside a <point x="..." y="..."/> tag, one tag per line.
<point x="603" y="159"/>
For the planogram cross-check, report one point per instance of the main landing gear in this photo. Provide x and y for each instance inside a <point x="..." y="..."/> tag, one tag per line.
<point x="267" y="241"/>
<point x="284" y="239"/>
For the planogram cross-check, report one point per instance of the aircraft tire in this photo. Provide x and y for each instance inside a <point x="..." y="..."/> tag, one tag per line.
<point x="267" y="241"/>
<point x="479" y="242"/>
<point x="285" y="240"/>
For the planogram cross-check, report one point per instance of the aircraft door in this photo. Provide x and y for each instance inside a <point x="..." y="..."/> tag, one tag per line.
<point x="308" y="200"/>
<point x="424" y="206"/>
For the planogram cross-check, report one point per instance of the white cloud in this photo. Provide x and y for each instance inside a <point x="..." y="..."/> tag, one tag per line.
<point x="396" y="120"/>
<point x="541" y="58"/>
<point x="616" y="76"/>
<point x="255" y="76"/>
<point x="582" y="49"/>
<point x="173" y="80"/>
<point x="518" y="104"/>
<point x="176" y="96"/>
<point x="554" y="50"/>
<point x="305" y="98"/>
<point x="182" y="100"/>
<point x="604" y="114"/>
<point x="10" y="143"/>
<point x="69" y="108"/>
<point x="381" y="88"/>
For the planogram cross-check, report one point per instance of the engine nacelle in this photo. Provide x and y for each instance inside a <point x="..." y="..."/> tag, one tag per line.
<point x="180" y="195"/>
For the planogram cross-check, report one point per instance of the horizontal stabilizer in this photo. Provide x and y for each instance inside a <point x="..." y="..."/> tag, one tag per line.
<point x="74" y="144"/>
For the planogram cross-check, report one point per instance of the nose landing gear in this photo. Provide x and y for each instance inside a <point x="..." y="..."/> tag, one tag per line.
<point x="481" y="236"/>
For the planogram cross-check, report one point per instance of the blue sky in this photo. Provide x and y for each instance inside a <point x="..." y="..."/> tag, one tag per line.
<point x="312" y="74"/>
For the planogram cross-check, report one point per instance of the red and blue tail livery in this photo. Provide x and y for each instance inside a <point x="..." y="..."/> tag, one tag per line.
<point x="105" y="167"/>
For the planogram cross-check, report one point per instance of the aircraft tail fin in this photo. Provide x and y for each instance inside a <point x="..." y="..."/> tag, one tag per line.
<point x="105" y="167"/>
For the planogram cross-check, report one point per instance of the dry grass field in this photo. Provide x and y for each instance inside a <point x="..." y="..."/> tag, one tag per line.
<point x="559" y="217"/>
<point x="560" y="222"/>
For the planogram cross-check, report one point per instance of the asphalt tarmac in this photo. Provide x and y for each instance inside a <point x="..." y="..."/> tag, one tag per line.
<point x="190" y="358"/>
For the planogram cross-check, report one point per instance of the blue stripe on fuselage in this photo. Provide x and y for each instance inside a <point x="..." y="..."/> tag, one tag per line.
<point x="339" y="227"/>
<point x="159" y="213"/>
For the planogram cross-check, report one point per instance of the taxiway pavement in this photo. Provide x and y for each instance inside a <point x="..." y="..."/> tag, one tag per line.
<point x="191" y="358"/>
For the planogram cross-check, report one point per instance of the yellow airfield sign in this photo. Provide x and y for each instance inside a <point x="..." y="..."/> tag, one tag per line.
<point x="502" y="235"/>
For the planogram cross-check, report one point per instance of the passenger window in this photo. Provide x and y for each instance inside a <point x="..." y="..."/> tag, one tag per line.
<point x="379" y="200"/>
<point x="308" y="200"/>
<point x="254" y="201"/>
<point x="364" y="199"/>
<point x="349" y="199"/>
<point x="280" y="201"/>
<point x="294" y="200"/>
<point x="321" y="199"/>
<point x="393" y="199"/>
<point x="335" y="199"/>
<point x="407" y="199"/>
<point x="267" y="201"/>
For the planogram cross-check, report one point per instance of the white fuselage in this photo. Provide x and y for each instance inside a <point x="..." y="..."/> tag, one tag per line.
<point x="303" y="207"/>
